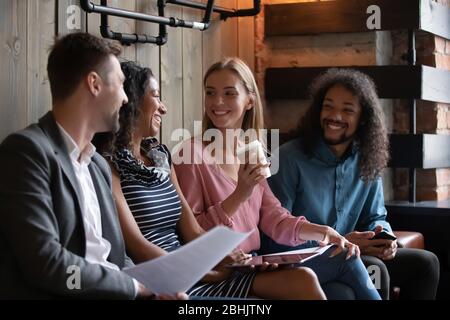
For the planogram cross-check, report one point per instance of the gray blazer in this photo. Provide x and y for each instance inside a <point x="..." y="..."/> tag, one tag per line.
<point x="41" y="226"/>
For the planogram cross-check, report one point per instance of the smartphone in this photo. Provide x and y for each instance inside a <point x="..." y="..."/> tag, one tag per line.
<point x="280" y="259"/>
<point x="384" y="235"/>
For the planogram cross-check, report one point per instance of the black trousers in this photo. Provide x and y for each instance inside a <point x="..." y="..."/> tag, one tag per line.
<point x="414" y="271"/>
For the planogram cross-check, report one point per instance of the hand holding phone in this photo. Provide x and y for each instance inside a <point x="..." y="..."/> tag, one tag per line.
<point x="384" y="235"/>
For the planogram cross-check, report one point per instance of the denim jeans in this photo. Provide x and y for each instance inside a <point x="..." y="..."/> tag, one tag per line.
<point x="338" y="291"/>
<point x="351" y="273"/>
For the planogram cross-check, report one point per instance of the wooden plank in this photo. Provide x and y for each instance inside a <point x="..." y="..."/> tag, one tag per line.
<point x="13" y="66"/>
<point x="148" y="55"/>
<point x="192" y="71"/>
<point x="172" y="78"/>
<point x="320" y="50"/>
<point x="70" y="17"/>
<point x="391" y="81"/>
<point x="221" y="39"/>
<point x="425" y="151"/>
<point x="246" y="35"/>
<point x="229" y="31"/>
<point x="338" y="16"/>
<point x="435" y="18"/>
<point x="93" y="22"/>
<point x="401" y="81"/>
<point x="116" y="24"/>
<point x="124" y="25"/>
<point x="41" y="20"/>
<point x="435" y="84"/>
<point x="212" y="44"/>
<point x="436" y="151"/>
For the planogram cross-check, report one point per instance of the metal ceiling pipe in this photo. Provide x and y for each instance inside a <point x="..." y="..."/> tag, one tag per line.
<point x="127" y="38"/>
<point x="225" y="13"/>
<point x="90" y="7"/>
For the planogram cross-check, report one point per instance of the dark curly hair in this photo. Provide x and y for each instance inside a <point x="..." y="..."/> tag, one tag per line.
<point x="371" y="137"/>
<point x="135" y="86"/>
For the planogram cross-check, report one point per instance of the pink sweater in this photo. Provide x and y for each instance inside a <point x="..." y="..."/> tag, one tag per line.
<point x="205" y="186"/>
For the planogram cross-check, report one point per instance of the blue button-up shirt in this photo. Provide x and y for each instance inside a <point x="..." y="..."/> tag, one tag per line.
<point x="326" y="190"/>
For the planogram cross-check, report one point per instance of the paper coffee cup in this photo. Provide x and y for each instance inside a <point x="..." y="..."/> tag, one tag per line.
<point x="256" y="153"/>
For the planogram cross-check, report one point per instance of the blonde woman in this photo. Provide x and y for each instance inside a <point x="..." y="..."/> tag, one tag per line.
<point x="237" y="195"/>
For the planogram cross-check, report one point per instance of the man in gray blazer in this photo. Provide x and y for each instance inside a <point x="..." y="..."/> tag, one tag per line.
<point x="59" y="232"/>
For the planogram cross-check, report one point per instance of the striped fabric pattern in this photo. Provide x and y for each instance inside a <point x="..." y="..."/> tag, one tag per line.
<point x="156" y="210"/>
<point x="156" y="207"/>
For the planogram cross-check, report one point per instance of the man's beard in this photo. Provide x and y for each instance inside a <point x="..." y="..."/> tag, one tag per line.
<point x="342" y="139"/>
<point x="115" y="124"/>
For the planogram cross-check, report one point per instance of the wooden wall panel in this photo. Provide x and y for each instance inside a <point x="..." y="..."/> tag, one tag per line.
<point x="27" y="32"/>
<point x="116" y="24"/>
<point x="93" y="22"/>
<point x="124" y="25"/>
<point x="41" y="19"/>
<point x="228" y="31"/>
<point x="192" y="71"/>
<point x="13" y="66"/>
<point x="66" y="14"/>
<point x="246" y="35"/>
<point x="148" y="55"/>
<point x="172" y="78"/>
<point x="221" y="39"/>
<point x="338" y="16"/>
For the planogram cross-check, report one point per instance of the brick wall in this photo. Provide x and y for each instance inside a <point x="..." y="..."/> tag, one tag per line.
<point x="368" y="48"/>
<point x="432" y="184"/>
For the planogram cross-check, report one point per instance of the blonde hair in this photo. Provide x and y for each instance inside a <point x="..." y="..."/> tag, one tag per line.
<point x="253" y="118"/>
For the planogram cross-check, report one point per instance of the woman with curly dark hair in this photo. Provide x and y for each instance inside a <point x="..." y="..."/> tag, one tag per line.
<point x="331" y="174"/>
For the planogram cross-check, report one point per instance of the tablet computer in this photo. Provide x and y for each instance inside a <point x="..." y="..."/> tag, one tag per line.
<point x="280" y="259"/>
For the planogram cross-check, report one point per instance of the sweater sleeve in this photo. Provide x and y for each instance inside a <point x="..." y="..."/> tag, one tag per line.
<point x="192" y="184"/>
<point x="278" y="223"/>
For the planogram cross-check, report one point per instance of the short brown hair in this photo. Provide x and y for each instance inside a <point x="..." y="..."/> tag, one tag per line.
<point x="74" y="56"/>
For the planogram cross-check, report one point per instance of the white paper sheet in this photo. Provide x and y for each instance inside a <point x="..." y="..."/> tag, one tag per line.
<point x="179" y="270"/>
<point x="318" y="250"/>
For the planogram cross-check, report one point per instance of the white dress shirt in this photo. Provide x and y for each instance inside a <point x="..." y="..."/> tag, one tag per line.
<point x="97" y="247"/>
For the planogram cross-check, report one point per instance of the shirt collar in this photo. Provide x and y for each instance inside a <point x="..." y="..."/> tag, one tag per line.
<point x="83" y="157"/>
<point x="323" y="152"/>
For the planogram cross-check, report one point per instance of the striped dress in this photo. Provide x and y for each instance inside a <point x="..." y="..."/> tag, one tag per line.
<point x="154" y="203"/>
